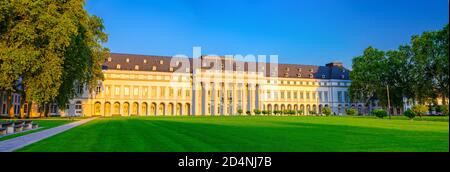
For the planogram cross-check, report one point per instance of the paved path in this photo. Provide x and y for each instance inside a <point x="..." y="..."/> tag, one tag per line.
<point x="22" y="141"/>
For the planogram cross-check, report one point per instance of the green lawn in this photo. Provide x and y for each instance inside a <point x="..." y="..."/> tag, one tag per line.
<point x="250" y="134"/>
<point x="43" y="124"/>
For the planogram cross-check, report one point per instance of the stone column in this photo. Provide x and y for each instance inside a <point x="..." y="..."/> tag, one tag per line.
<point x="213" y="99"/>
<point x="235" y="99"/>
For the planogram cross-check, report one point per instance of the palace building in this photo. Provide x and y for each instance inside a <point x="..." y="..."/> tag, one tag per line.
<point x="139" y="85"/>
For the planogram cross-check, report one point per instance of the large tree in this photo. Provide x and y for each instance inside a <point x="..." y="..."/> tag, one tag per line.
<point x="367" y="76"/>
<point x="418" y="71"/>
<point x="431" y="64"/>
<point x="48" y="47"/>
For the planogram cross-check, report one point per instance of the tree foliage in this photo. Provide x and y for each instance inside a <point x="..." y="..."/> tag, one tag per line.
<point x="418" y="71"/>
<point x="47" y="47"/>
<point x="420" y="110"/>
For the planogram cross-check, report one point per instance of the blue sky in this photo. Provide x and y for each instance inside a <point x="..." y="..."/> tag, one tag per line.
<point x="299" y="31"/>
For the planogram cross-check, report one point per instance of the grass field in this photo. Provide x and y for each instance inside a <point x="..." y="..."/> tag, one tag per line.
<point x="43" y="124"/>
<point x="250" y="134"/>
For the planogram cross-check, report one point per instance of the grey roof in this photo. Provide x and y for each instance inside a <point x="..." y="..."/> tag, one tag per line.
<point x="333" y="70"/>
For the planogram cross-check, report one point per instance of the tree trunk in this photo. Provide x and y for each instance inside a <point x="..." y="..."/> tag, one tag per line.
<point x="30" y="105"/>
<point x="9" y="103"/>
<point x="46" y="110"/>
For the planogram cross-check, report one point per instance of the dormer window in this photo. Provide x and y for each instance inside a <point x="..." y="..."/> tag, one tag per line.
<point x="171" y="69"/>
<point x="299" y="75"/>
<point x="177" y="63"/>
<point x="188" y="70"/>
<point x="109" y="59"/>
<point x="145" y="61"/>
<point x="154" y="68"/>
<point x="324" y="76"/>
<point x="343" y="76"/>
<point x="136" y="67"/>
<point x="287" y="69"/>
<point x="286" y="75"/>
<point x="128" y="60"/>
<point x="311" y="70"/>
<point x="161" y="62"/>
<point x="299" y="69"/>
<point x="311" y="76"/>
<point x="118" y="66"/>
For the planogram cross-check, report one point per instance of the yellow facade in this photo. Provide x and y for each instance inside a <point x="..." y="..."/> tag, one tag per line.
<point x="206" y="92"/>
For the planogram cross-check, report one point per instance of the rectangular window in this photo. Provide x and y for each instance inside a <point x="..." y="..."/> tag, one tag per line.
<point x="320" y="96"/>
<point x="171" y="92"/>
<point x="162" y="91"/>
<point x="289" y="95"/>
<point x="145" y="94"/>
<point x="153" y="91"/>
<point x="180" y="92"/>
<point x="136" y="91"/>
<point x="325" y="96"/>
<point x="98" y="89"/>
<point x="188" y="93"/>
<point x="127" y="91"/>
<point x="301" y="95"/>
<point x="117" y="93"/>
<point x="307" y="95"/>
<point x="282" y="94"/>
<point x="347" y="99"/>
<point x="339" y="96"/>
<point x="295" y="95"/>
<point x="107" y="92"/>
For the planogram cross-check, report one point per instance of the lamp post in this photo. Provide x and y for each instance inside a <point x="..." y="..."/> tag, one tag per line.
<point x="389" y="101"/>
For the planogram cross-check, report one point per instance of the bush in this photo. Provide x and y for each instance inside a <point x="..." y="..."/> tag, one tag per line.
<point x="269" y="112"/>
<point x="380" y="113"/>
<point x="257" y="112"/>
<point x="240" y="111"/>
<point x="351" y="111"/>
<point x="410" y="114"/>
<point x="326" y="111"/>
<point x="264" y="112"/>
<point x="420" y="110"/>
<point x="300" y="112"/>
<point x="292" y="112"/>
<point x="312" y="112"/>
<point x="275" y="112"/>
<point x="442" y="109"/>
<point x="248" y="113"/>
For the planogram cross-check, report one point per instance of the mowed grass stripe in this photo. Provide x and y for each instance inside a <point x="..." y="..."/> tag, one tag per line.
<point x="249" y="134"/>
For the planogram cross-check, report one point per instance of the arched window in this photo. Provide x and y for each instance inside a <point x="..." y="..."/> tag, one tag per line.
<point x="107" y="109"/>
<point x="135" y="109"/>
<point x="126" y="108"/>
<point x="97" y="109"/>
<point x="116" y="108"/>
<point x="118" y="66"/>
